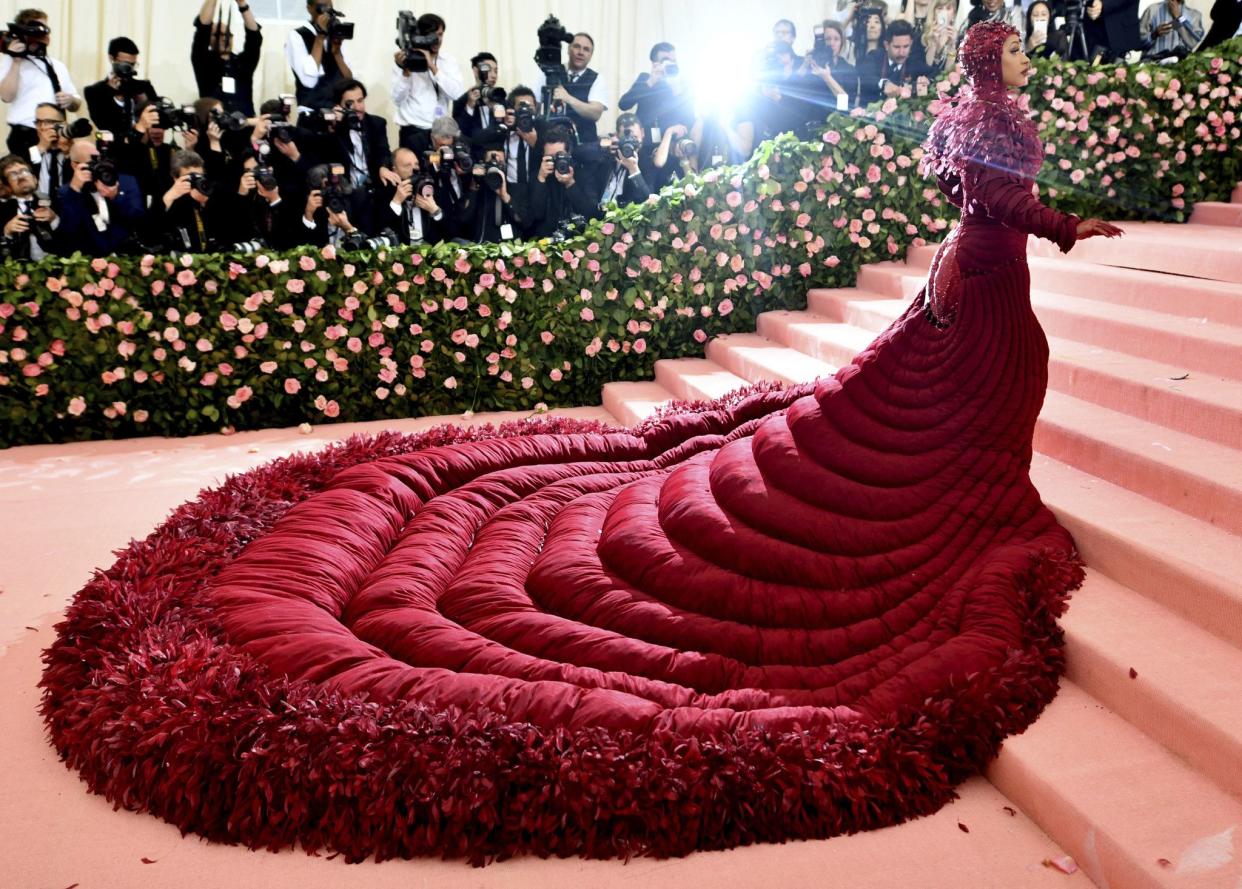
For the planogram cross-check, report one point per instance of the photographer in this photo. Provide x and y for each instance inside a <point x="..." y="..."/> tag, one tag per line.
<point x="325" y="218"/>
<point x="114" y="101"/>
<point x="476" y="109"/>
<point x="420" y="96"/>
<point x="29" y="223"/>
<point x="451" y="163"/>
<point x="257" y="208"/>
<point x="584" y="94"/>
<point x="523" y="154"/>
<point x="100" y="208"/>
<point x="1170" y="28"/>
<point x="555" y="195"/>
<point x="190" y="216"/>
<point x="827" y="62"/>
<point x="49" y="155"/>
<point x="287" y="157"/>
<point x="897" y="68"/>
<point x="30" y="77"/>
<point x="675" y="157"/>
<point x="489" y="215"/>
<point x="146" y="154"/>
<point x="219" y="72"/>
<point x="360" y="142"/>
<point x="316" y="53"/>
<point x="625" y="183"/>
<point x="787" y="100"/>
<point x="409" y="208"/>
<point x="662" y="98"/>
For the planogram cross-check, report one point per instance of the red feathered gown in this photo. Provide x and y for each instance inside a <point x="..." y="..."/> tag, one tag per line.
<point x="846" y="551"/>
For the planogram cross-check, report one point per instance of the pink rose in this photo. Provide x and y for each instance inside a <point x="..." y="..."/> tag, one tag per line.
<point x="292" y="386"/>
<point x="77" y="406"/>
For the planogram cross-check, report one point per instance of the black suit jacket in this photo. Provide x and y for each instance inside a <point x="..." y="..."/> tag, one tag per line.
<point x="1226" y="16"/>
<point x="77" y="228"/>
<point x="876" y="66"/>
<point x="550" y="203"/>
<point x="104" y="111"/>
<point x="1121" y="23"/>
<point x="471" y="122"/>
<point x="19" y="247"/>
<point x="402" y="220"/>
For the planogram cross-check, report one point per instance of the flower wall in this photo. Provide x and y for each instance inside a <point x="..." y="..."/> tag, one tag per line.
<point x="193" y="344"/>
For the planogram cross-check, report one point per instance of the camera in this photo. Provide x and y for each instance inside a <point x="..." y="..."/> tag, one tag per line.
<point x="173" y="116"/>
<point x="568" y="227"/>
<point x="357" y="240"/>
<point x="27" y="35"/>
<point x="524" y="119"/>
<point x="687" y="149"/>
<point x="338" y="28"/>
<point x="103" y="171"/>
<point x="672" y="70"/>
<point x="248" y="248"/>
<point x="351" y="118"/>
<point x="424" y="187"/>
<point x="551" y="35"/>
<point x="266" y="177"/>
<point x="282" y="132"/>
<point x="320" y="121"/>
<point x="200" y="183"/>
<point x="628" y="146"/>
<point x="492" y="174"/>
<point x="78" y="129"/>
<point x="563" y="163"/>
<point x="413" y="41"/>
<point x="234" y="121"/>
<point x="336" y="189"/>
<point x="124" y="71"/>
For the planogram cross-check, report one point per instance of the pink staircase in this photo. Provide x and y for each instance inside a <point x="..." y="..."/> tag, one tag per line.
<point x="1136" y="769"/>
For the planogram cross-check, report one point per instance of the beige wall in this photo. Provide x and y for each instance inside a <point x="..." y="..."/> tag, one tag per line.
<point x="624" y="31"/>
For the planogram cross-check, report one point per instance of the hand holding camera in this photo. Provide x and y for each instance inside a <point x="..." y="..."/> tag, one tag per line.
<point x="17" y="226"/>
<point x="148" y="118"/>
<point x="247" y="184"/>
<point x="180" y="188"/>
<point x="404" y="191"/>
<point x="314" y="201"/>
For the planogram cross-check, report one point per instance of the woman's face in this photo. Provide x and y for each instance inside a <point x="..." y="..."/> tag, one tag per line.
<point x="1039" y="12"/>
<point x="993" y="5"/>
<point x="1015" y="66"/>
<point x="832" y="40"/>
<point x="875" y="28"/>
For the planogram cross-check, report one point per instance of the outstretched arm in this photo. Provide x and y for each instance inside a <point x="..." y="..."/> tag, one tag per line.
<point x="1005" y="198"/>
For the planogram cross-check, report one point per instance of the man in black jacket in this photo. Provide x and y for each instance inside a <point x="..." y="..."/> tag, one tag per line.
<point x="48" y="157"/>
<point x="409" y="208"/>
<point x="662" y="96"/>
<point x="258" y="209"/>
<point x="555" y="195"/>
<point x="488" y="214"/>
<point x="475" y="109"/>
<point x="624" y="180"/>
<point x="221" y="73"/>
<point x="114" y="101"/>
<point x="1112" y="28"/>
<point x="193" y="214"/>
<point x="361" y="143"/>
<point x="29" y="224"/>
<point x="887" y="73"/>
<point x="97" y="218"/>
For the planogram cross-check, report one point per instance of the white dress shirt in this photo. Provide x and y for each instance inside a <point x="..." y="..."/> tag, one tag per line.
<point x="35" y="87"/>
<point x="421" y="98"/>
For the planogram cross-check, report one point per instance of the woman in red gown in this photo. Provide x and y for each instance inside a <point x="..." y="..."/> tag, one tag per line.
<point x="799" y="613"/>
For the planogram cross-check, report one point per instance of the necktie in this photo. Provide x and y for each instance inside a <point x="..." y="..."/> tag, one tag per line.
<point x="523" y="163"/>
<point x="53" y="171"/>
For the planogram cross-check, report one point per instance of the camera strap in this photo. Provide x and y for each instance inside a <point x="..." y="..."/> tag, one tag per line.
<point x="50" y="70"/>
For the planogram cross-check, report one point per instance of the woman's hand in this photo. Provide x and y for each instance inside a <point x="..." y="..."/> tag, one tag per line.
<point x="1092" y="228"/>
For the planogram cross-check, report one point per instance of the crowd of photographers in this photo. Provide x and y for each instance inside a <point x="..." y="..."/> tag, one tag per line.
<point x="473" y="162"/>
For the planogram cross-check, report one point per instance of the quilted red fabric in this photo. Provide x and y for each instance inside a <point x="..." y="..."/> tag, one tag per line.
<point x="791" y="614"/>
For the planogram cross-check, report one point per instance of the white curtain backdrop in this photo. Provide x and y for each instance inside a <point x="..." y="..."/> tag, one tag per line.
<point x="714" y="38"/>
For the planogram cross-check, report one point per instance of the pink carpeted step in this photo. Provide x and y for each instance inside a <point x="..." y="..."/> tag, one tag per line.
<point x="1197" y="251"/>
<point x="1129" y="811"/>
<point x="696" y="379"/>
<point x="1236" y="197"/>
<point x="1190" y="567"/>
<point x="631" y="403"/>
<point x="1196" y="403"/>
<point x="1217" y="213"/>
<point x="1185" y="686"/>
<point x="1200" y="478"/>
<point x="804" y="331"/>
<point x="1218" y="301"/>
<point x="756" y="358"/>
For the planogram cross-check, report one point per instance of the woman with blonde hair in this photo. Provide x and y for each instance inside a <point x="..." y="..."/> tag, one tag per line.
<point x="940" y="36"/>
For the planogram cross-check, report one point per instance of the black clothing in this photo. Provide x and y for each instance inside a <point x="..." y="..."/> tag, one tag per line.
<point x="876" y="67"/>
<point x="551" y="203"/>
<point x="482" y="215"/>
<point x="580" y="89"/>
<point x="188" y="225"/>
<point x="658" y="107"/>
<point x="78" y="212"/>
<point x="210" y="69"/>
<point x="411" y="225"/>
<point x="1226" y="16"/>
<point x="19" y="247"/>
<point x="319" y="96"/>
<point x="118" y="119"/>
<point x="1115" y="32"/>
<point x="472" y="122"/>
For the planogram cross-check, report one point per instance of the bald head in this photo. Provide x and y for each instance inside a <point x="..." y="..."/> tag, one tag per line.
<point x="81" y="151"/>
<point x="404" y="162"/>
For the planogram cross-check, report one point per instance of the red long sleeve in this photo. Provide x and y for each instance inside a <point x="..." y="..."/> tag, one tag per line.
<point x="1009" y="200"/>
